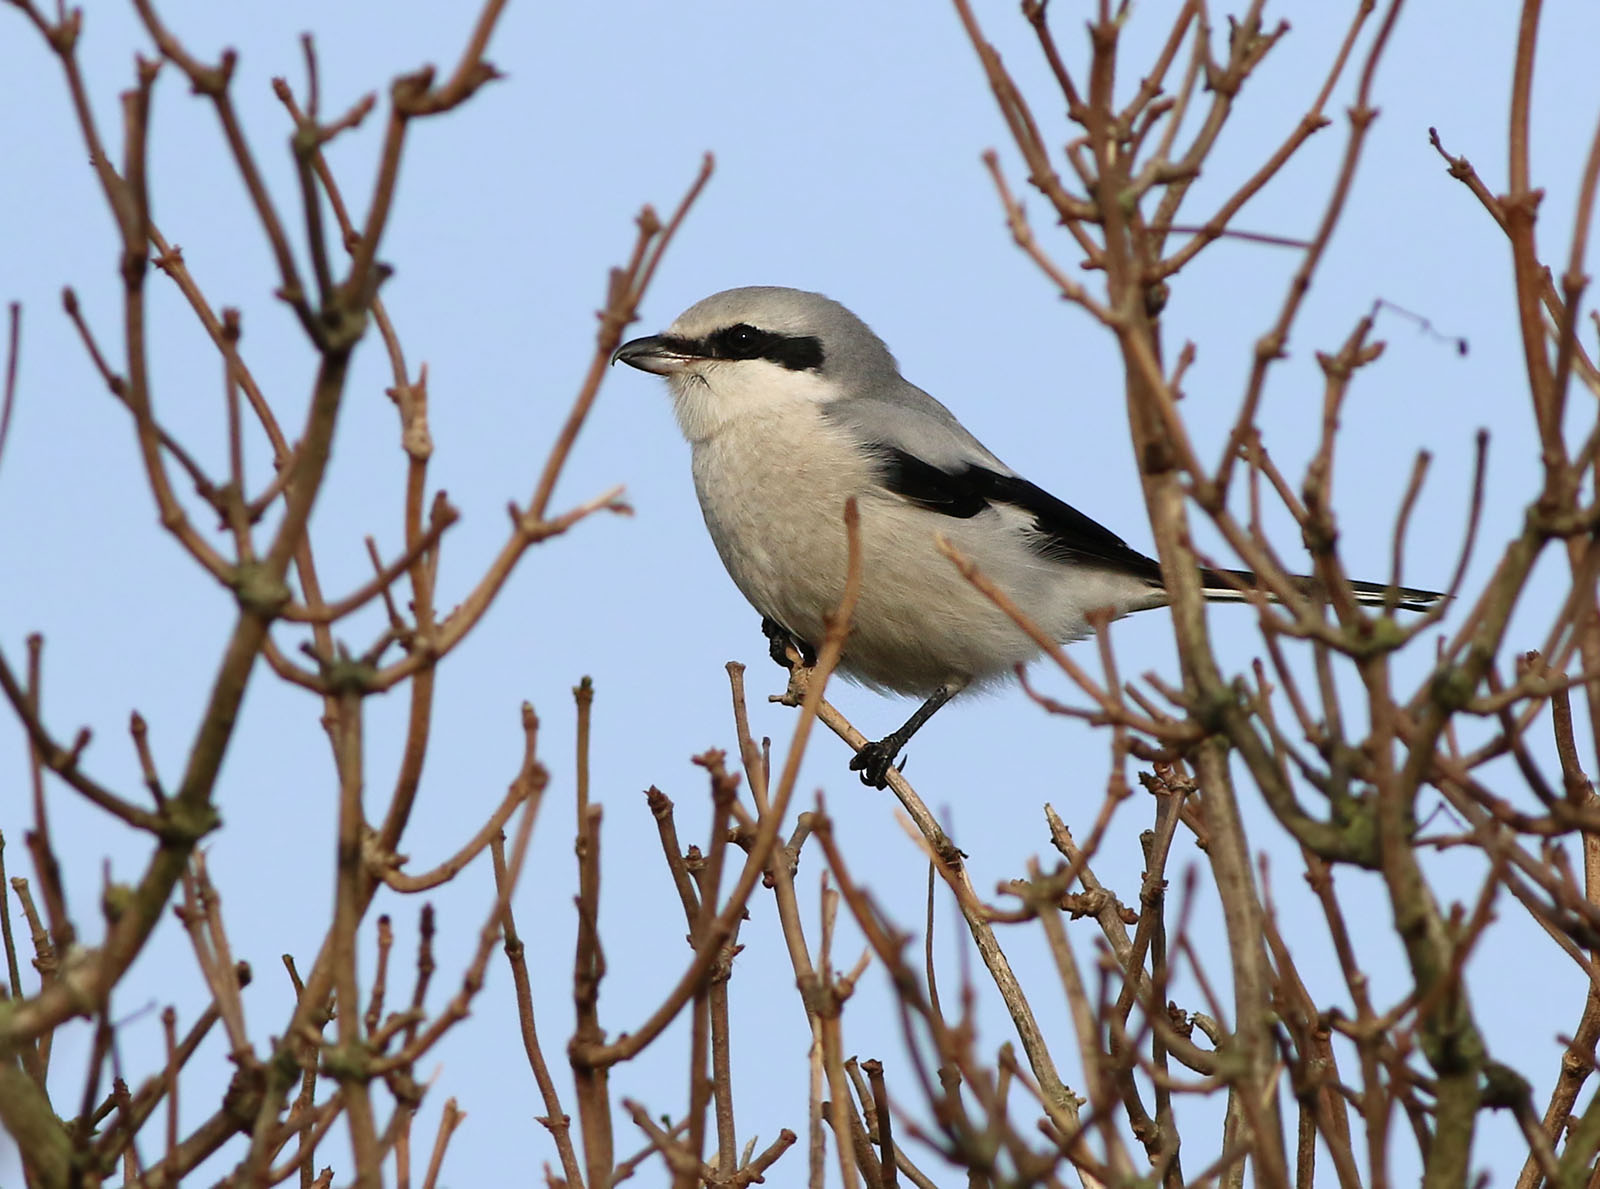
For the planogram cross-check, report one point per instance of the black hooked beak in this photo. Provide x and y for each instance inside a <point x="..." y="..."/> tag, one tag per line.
<point x="653" y="353"/>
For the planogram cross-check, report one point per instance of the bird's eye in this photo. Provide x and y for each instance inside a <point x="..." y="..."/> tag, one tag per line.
<point x="741" y="341"/>
<point x="797" y="352"/>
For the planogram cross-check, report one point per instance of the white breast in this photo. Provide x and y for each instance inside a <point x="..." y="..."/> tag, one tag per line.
<point x="778" y="519"/>
<point x="773" y="480"/>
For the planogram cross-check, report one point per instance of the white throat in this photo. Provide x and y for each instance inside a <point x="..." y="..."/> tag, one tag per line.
<point x="714" y="394"/>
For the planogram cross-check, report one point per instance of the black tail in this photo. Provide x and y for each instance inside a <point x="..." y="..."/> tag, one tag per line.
<point x="1223" y="586"/>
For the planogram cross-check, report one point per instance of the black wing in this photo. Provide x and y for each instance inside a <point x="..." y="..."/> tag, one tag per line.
<point x="1062" y="533"/>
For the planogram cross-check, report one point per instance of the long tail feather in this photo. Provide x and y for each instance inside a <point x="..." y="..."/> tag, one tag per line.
<point x="1224" y="586"/>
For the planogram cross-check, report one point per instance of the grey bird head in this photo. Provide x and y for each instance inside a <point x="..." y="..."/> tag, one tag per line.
<point x="769" y="326"/>
<point x="747" y="353"/>
<point x="744" y="352"/>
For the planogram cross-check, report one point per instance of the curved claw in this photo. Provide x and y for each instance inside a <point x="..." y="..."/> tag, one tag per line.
<point x="780" y="640"/>
<point x="873" y="761"/>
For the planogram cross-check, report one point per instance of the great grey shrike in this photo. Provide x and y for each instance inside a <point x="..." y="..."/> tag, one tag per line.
<point x="792" y="405"/>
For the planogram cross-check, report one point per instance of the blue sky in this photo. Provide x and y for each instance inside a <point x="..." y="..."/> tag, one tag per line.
<point x="847" y="138"/>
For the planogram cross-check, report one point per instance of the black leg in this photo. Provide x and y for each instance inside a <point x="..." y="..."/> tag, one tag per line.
<point x="780" y="639"/>
<point x="874" y="760"/>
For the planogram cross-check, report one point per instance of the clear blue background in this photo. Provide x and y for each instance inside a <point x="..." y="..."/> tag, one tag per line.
<point x="848" y="138"/>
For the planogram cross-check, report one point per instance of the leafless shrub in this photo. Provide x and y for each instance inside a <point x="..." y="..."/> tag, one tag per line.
<point x="1302" y="1081"/>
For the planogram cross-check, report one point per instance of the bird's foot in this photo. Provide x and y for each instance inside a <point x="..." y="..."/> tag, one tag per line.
<point x="781" y="641"/>
<point x="874" y="761"/>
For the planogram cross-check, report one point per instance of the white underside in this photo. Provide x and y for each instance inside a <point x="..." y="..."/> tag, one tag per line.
<point x="776" y="515"/>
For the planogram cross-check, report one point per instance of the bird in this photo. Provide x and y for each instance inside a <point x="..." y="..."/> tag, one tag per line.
<point x="792" y="406"/>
